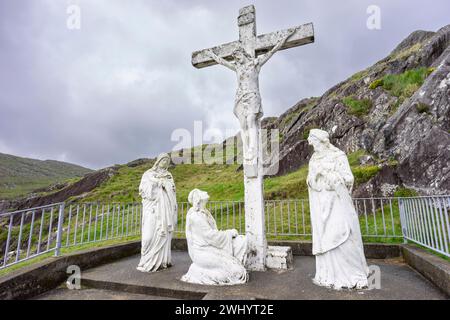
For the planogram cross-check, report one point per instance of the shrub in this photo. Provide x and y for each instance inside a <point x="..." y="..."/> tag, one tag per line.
<point x="422" y="107"/>
<point x="364" y="173"/>
<point x="404" y="84"/>
<point x="405" y="192"/>
<point x="375" y="84"/>
<point x="306" y="130"/>
<point x="358" y="107"/>
<point x="397" y="104"/>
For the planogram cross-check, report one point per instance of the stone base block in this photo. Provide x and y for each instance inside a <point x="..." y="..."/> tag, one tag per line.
<point x="279" y="258"/>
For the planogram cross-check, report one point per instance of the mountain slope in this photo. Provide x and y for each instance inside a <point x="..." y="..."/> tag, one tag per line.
<point x="396" y="112"/>
<point x="392" y="119"/>
<point x="19" y="176"/>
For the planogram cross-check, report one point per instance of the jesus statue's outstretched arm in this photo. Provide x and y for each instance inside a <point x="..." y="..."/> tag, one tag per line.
<point x="265" y="57"/>
<point x="220" y="60"/>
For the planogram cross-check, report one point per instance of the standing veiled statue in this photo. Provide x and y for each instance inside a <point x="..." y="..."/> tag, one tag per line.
<point x="159" y="217"/>
<point x="218" y="257"/>
<point x="337" y="242"/>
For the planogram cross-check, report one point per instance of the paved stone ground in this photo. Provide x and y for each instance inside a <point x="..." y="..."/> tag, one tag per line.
<point x="63" y="293"/>
<point x="121" y="280"/>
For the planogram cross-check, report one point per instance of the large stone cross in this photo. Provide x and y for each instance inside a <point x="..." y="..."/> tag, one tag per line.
<point x="246" y="57"/>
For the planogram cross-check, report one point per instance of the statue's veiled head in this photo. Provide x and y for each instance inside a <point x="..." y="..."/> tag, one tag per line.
<point x="318" y="139"/>
<point x="162" y="162"/>
<point x="198" y="199"/>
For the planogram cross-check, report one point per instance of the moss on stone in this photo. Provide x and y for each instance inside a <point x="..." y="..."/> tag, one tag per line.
<point x="405" y="192"/>
<point x="422" y="107"/>
<point x="405" y="53"/>
<point x="358" y="107"/>
<point x="363" y="174"/>
<point x="306" y="130"/>
<point x="375" y="84"/>
<point x="405" y="84"/>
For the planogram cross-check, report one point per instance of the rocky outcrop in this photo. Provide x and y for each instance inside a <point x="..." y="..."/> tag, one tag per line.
<point x="411" y="130"/>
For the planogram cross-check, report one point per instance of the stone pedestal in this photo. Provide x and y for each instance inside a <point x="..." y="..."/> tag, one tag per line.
<point x="279" y="258"/>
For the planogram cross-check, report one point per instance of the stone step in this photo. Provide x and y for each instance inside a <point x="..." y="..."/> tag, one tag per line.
<point x="147" y="290"/>
<point x="85" y="293"/>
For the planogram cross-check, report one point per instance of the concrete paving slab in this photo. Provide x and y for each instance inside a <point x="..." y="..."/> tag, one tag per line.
<point x="63" y="293"/>
<point x="398" y="281"/>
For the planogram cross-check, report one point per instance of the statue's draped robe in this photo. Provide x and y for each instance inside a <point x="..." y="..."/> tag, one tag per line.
<point x="337" y="242"/>
<point x="159" y="218"/>
<point x="217" y="257"/>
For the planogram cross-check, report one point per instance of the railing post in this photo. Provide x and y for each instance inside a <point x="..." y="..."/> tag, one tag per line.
<point x="60" y="229"/>
<point x="401" y="210"/>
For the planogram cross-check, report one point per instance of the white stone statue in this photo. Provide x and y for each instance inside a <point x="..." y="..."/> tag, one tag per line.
<point x="245" y="57"/>
<point x="218" y="257"/>
<point x="159" y="217"/>
<point x="247" y="103"/>
<point x="337" y="242"/>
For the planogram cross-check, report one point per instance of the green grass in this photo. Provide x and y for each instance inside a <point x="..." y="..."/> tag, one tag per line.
<point x="359" y="75"/>
<point x="422" y="107"/>
<point x="403" y="85"/>
<point x="430" y="251"/>
<point x="222" y="182"/>
<point x="64" y="251"/>
<point x="406" y="83"/>
<point x="405" y="192"/>
<point x="353" y="158"/>
<point x="357" y="107"/>
<point x="20" y="176"/>
<point x="289" y="186"/>
<point x="406" y="53"/>
<point x="306" y="130"/>
<point x="23" y="264"/>
<point x="363" y="174"/>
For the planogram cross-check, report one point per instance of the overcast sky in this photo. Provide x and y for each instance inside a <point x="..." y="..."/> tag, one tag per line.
<point x="114" y="90"/>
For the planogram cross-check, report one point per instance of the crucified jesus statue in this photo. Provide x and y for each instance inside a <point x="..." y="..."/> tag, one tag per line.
<point x="247" y="105"/>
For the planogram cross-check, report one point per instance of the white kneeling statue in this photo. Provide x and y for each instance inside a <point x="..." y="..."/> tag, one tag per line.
<point x="218" y="257"/>
<point x="159" y="217"/>
<point x="337" y="242"/>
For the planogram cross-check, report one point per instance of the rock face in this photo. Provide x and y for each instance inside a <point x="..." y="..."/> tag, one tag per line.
<point x="407" y="129"/>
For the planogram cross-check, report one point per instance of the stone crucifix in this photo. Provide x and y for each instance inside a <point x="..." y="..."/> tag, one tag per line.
<point x="246" y="57"/>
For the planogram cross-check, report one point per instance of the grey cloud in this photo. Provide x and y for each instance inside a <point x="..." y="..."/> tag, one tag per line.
<point x="116" y="89"/>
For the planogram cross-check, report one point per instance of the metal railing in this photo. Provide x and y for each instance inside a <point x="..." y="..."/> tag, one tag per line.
<point x="28" y="233"/>
<point x="425" y="221"/>
<point x="379" y="217"/>
<point x="94" y="222"/>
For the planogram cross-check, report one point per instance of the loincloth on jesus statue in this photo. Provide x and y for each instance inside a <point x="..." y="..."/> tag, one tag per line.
<point x="248" y="104"/>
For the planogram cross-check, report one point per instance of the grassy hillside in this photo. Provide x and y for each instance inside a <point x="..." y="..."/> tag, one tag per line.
<point x="19" y="176"/>
<point x="222" y="182"/>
